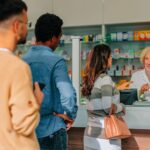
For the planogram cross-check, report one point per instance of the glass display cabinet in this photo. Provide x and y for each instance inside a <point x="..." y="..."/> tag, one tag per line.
<point x="126" y="42"/>
<point x="125" y="57"/>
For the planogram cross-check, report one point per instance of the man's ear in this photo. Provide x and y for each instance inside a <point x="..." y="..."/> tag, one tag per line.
<point x="15" y="26"/>
<point x="53" y="39"/>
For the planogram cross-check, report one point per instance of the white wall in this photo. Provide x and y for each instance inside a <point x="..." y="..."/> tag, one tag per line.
<point x="90" y="12"/>
<point x="79" y="12"/>
<point x="125" y="11"/>
<point x="37" y="8"/>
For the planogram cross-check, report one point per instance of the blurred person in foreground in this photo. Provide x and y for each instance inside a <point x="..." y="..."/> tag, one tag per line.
<point x="18" y="107"/>
<point x="59" y="108"/>
<point x="103" y="97"/>
<point x="141" y="78"/>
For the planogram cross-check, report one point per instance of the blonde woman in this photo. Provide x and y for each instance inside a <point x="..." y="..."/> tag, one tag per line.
<point x="141" y="79"/>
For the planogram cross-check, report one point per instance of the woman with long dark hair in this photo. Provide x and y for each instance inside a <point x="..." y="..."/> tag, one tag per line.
<point x="100" y="90"/>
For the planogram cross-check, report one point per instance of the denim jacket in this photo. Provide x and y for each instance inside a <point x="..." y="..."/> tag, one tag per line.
<point x="59" y="94"/>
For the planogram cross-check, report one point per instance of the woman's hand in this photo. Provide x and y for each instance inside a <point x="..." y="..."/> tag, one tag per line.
<point x="38" y="93"/>
<point x="124" y="110"/>
<point x="113" y="109"/>
<point x="144" y="88"/>
<point x="68" y="121"/>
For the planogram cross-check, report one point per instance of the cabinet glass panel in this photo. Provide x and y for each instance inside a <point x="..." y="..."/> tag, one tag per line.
<point x="65" y="50"/>
<point x="127" y="42"/>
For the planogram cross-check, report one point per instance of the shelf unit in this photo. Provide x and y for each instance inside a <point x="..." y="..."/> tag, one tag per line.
<point x="126" y="54"/>
<point x="127" y="59"/>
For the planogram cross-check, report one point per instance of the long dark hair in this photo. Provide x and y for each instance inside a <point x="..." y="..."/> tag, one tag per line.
<point x="96" y="64"/>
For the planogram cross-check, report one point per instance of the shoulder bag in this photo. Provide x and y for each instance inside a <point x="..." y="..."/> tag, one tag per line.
<point x="115" y="127"/>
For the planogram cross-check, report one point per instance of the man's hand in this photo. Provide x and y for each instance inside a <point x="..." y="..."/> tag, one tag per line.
<point x="68" y="121"/>
<point x="38" y="93"/>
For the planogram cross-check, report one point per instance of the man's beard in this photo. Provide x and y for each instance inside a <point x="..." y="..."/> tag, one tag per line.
<point x="22" y="41"/>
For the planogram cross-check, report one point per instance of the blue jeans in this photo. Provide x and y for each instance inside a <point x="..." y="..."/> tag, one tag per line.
<point x="57" y="141"/>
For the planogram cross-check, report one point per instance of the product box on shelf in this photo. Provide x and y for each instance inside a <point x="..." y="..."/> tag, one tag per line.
<point x="142" y="35"/>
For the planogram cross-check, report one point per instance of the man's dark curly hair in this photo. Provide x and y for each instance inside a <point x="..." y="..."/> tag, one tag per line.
<point x="47" y="26"/>
<point x="9" y="8"/>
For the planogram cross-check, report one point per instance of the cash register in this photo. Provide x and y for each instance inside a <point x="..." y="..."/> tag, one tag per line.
<point x="128" y="96"/>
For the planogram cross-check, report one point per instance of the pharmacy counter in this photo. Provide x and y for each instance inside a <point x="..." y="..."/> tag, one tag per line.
<point x="137" y="116"/>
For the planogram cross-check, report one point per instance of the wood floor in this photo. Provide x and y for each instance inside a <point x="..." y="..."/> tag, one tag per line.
<point x="140" y="140"/>
<point x="75" y="136"/>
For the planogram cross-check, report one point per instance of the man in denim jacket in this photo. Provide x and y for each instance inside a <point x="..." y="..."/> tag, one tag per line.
<point x="59" y="108"/>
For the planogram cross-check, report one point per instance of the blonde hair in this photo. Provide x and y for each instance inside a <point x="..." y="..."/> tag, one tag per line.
<point x="144" y="53"/>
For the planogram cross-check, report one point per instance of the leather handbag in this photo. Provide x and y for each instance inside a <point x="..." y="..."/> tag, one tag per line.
<point x="115" y="127"/>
